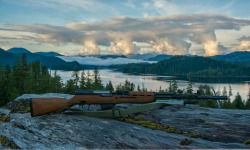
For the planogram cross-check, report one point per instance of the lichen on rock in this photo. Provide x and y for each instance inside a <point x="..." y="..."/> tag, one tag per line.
<point x="247" y="142"/>
<point x="157" y="126"/>
<point x="19" y="106"/>
<point x="4" y="118"/>
<point x="185" y="142"/>
<point x="7" y="143"/>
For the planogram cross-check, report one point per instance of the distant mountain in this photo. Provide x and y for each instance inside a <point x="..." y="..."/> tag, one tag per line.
<point x="111" y="56"/>
<point x="238" y="56"/>
<point x="7" y="58"/>
<point x="49" y="54"/>
<point x="52" y="62"/>
<point x="18" y="50"/>
<point x="145" y="56"/>
<point x="160" y="57"/>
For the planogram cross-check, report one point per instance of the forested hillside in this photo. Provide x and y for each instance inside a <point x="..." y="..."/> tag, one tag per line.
<point x="6" y="58"/>
<point x="188" y="66"/>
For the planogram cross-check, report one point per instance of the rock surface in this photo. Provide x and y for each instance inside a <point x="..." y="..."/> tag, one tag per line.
<point x="219" y="129"/>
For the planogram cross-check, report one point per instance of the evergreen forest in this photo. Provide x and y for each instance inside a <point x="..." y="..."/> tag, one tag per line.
<point x="193" y="68"/>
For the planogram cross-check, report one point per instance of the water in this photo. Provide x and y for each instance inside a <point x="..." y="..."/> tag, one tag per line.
<point x="153" y="82"/>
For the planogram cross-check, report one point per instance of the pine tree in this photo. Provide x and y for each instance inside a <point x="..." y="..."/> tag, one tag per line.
<point x="82" y="81"/>
<point x="238" y="103"/>
<point x="174" y="86"/>
<point x="138" y="88"/>
<point x="224" y="92"/>
<point x="248" y="101"/>
<point x="109" y="86"/>
<point x="17" y="80"/>
<point x="89" y="84"/>
<point x="170" y="87"/>
<point x="97" y="85"/>
<point x="127" y="86"/>
<point x="206" y="90"/>
<point x="56" y="83"/>
<point x="227" y="104"/>
<point x="2" y="99"/>
<point x="25" y="73"/>
<point x="218" y="92"/>
<point x="230" y="91"/>
<point x="75" y="76"/>
<point x="160" y="89"/>
<point x="190" y="88"/>
<point x="70" y="87"/>
<point x="144" y="89"/>
<point x="5" y="78"/>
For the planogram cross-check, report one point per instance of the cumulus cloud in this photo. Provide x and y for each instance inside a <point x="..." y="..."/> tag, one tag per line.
<point x="101" y="62"/>
<point x="166" y="34"/>
<point x="244" y="44"/>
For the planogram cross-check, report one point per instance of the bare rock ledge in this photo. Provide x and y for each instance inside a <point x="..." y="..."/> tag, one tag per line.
<point x="218" y="128"/>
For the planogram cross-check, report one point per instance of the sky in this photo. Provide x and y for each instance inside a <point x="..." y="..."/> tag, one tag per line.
<point x="89" y="27"/>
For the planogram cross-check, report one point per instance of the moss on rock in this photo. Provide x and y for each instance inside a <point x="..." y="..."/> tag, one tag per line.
<point x="185" y="142"/>
<point x="21" y="105"/>
<point x="247" y="142"/>
<point x="7" y="143"/>
<point x="17" y="125"/>
<point x="4" y="118"/>
<point x="158" y="126"/>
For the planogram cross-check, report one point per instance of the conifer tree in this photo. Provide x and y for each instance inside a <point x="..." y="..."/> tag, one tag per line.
<point x="5" y="78"/>
<point x="144" y="89"/>
<point x="56" y="83"/>
<point x="17" y="79"/>
<point x="190" y="88"/>
<point x="109" y="86"/>
<point x="138" y="88"/>
<point x="206" y="90"/>
<point x="97" y="85"/>
<point x="75" y="77"/>
<point x="230" y="91"/>
<point x="174" y="86"/>
<point x="70" y="87"/>
<point x="224" y="92"/>
<point x="82" y="80"/>
<point x="238" y="103"/>
<point x="218" y="92"/>
<point x="127" y="86"/>
<point x="170" y="87"/>
<point x="247" y="106"/>
<point x="89" y="84"/>
<point x="227" y="104"/>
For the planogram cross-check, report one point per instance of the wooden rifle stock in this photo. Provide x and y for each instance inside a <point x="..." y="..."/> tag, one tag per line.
<point x="40" y="106"/>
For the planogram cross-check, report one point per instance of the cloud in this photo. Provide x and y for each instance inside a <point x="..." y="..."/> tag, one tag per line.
<point x="64" y="5"/>
<point x="244" y="38"/>
<point x="166" y="34"/>
<point x="164" y="7"/>
<point x="101" y="62"/>
<point x="244" y="44"/>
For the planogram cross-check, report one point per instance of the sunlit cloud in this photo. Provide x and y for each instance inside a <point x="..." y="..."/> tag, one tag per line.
<point x="244" y="44"/>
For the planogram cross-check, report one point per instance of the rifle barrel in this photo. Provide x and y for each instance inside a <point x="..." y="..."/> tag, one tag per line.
<point x="187" y="96"/>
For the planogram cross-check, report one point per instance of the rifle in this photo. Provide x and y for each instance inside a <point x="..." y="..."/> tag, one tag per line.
<point x="41" y="106"/>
